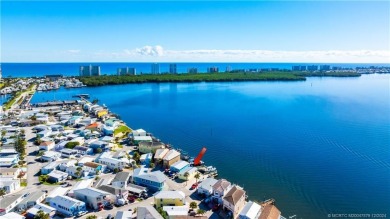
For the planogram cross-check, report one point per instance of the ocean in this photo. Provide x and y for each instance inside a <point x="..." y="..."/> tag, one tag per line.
<point x="72" y="69"/>
<point x="318" y="147"/>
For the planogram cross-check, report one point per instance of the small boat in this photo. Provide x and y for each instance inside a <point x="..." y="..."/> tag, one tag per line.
<point x="211" y="169"/>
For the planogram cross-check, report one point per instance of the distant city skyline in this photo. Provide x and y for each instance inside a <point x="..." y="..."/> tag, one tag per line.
<point x="255" y="31"/>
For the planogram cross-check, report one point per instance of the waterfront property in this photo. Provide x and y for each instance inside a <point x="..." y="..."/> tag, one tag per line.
<point x="170" y="158"/>
<point x="188" y="173"/>
<point x="206" y="186"/>
<point x="154" y="181"/>
<point x="178" y="166"/>
<point x="234" y="200"/>
<point x="169" y="198"/>
<point x="220" y="188"/>
<point x="251" y="210"/>
<point x="150" y="147"/>
<point x="68" y="206"/>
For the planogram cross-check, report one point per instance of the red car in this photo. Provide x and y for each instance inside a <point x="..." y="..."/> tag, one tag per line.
<point x="131" y="198"/>
<point x="194" y="186"/>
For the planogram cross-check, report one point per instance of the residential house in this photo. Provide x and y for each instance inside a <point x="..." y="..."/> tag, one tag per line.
<point x="175" y="212"/>
<point x="40" y="207"/>
<point x="85" y="159"/>
<point x="44" y="133"/>
<point x="234" y="200"/>
<point x="31" y="200"/>
<point x="206" y="186"/>
<point x="113" y="163"/>
<point x="170" y="158"/>
<point x="9" y="161"/>
<point x="68" y="153"/>
<point x="145" y="159"/>
<point x="49" y="167"/>
<point x="138" y="132"/>
<point x="64" y="164"/>
<point x="80" y="185"/>
<point x="9" y="184"/>
<point x="47" y="146"/>
<point x="6" y="151"/>
<point x="9" y="202"/>
<point x="57" y="176"/>
<point x="68" y="206"/>
<point x="91" y="196"/>
<point x="10" y="172"/>
<point x="93" y="127"/>
<point x="169" y="198"/>
<point x="83" y="150"/>
<point x="220" y="188"/>
<point x="98" y="144"/>
<point x="160" y="154"/>
<point x="121" y="179"/>
<point x="251" y="210"/>
<point x="57" y="191"/>
<point x="178" y="166"/>
<point x="136" y="190"/>
<point x="75" y="172"/>
<point x="269" y="211"/>
<point x="124" y="215"/>
<point x="139" y="139"/>
<point x="118" y="195"/>
<point x="150" y="147"/>
<point x="192" y="171"/>
<point x="147" y="212"/>
<point x="107" y="139"/>
<point x="12" y="215"/>
<point x="154" y="181"/>
<point x="50" y="156"/>
<point x="93" y="168"/>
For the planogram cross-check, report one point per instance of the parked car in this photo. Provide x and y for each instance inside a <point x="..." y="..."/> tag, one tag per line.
<point x="194" y="186"/>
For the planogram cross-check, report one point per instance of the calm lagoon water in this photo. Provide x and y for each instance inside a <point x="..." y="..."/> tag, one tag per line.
<point x="318" y="147"/>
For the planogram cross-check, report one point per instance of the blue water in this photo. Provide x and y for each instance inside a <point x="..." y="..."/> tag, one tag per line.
<point x="72" y="69"/>
<point x="319" y="146"/>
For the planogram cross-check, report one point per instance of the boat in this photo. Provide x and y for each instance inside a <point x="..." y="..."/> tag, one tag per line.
<point x="86" y="96"/>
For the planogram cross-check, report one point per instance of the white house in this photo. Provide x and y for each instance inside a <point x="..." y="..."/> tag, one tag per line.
<point x="57" y="176"/>
<point x="47" y="146"/>
<point x="31" y="200"/>
<point x="10" y="172"/>
<point x="113" y="163"/>
<point x="220" y="188"/>
<point x="176" y="211"/>
<point x="9" y="202"/>
<point x="50" y="156"/>
<point x="138" y="132"/>
<point x="234" y="200"/>
<point x="9" y="184"/>
<point x="9" y="161"/>
<point x="206" y="186"/>
<point x="251" y="210"/>
<point x="121" y="179"/>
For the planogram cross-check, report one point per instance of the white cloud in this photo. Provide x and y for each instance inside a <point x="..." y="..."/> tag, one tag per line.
<point x="150" y="51"/>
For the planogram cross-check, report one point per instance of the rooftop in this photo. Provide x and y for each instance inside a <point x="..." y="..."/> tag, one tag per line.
<point x="171" y="154"/>
<point x="65" y="201"/>
<point x="180" y="164"/>
<point x="147" y="212"/>
<point x="221" y="184"/>
<point x="57" y="174"/>
<point x="122" y="177"/>
<point x="170" y="195"/>
<point x="92" y="192"/>
<point x="8" y="200"/>
<point x="208" y="183"/>
<point x="155" y="176"/>
<point x="234" y="195"/>
<point x="251" y="210"/>
<point x="270" y="212"/>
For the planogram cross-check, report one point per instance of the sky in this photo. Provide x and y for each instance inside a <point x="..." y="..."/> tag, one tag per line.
<point x="202" y="31"/>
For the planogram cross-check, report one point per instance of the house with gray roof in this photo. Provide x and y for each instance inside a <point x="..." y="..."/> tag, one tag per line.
<point x="147" y="212"/>
<point x="91" y="196"/>
<point x="31" y="200"/>
<point x="9" y="202"/>
<point x="40" y="207"/>
<point x="154" y="181"/>
<point x="121" y="179"/>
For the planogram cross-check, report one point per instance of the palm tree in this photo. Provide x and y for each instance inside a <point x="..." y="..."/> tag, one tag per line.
<point x="193" y="205"/>
<point x="200" y="211"/>
<point x="197" y="176"/>
<point x="2" y="192"/>
<point x="186" y="175"/>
